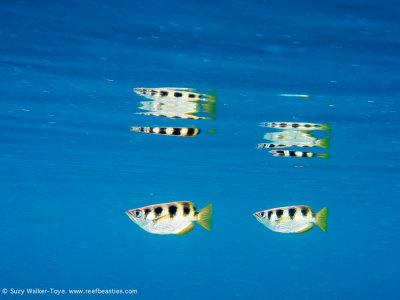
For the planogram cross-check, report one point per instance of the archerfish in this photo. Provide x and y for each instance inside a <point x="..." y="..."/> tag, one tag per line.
<point x="293" y="219"/>
<point x="172" y="131"/>
<point x="292" y="153"/>
<point x="171" y="218"/>
<point x="173" y="93"/>
<point x="297" y="126"/>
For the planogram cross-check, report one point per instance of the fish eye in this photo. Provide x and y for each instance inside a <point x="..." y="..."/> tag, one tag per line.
<point x="138" y="213"/>
<point x="262" y="214"/>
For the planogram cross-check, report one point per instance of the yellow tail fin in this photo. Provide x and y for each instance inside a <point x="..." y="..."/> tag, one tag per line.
<point x="204" y="218"/>
<point x="321" y="219"/>
<point x="324" y="143"/>
<point x="326" y="127"/>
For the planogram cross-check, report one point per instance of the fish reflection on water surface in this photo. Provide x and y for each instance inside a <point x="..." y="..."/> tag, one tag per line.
<point x="171" y="131"/>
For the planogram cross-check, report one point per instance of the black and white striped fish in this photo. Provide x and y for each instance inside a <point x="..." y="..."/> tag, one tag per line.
<point x="173" y="93"/>
<point x="171" y="218"/>
<point x="292" y="153"/>
<point x="293" y="219"/>
<point x="172" y="131"/>
<point x="297" y="126"/>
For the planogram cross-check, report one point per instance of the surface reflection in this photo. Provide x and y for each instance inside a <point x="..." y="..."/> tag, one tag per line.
<point x="296" y="135"/>
<point x="176" y="103"/>
<point x="182" y="103"/>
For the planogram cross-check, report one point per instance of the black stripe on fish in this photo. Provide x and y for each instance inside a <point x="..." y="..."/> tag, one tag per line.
<point x="172" y="210"/>
<point x="186" y="208"/>
<point x="177" y="94"/>
<point x="157" y="211"/>
<point x="292" y="212"/>
<point x="190" y="131"/>
<point x="163" y="93"/>
<point x="146" y="212"/>
<point x="177" y="131"/>
<point x="304" y="211"/>
<point x="270" y="214"/>
<point x="192" y="95"/>
<point x="279" y="213"/>
<point x="163" y="130"/>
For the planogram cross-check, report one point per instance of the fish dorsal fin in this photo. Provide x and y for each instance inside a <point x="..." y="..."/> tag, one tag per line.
<point x="308" y="228"/>
<point x="187" y="229"/>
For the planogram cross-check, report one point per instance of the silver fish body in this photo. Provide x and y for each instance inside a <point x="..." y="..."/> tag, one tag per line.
<point x="293" y="219"/>
<point x="171" y="218"/>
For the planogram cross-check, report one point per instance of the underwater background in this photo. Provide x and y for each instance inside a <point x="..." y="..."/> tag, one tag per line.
<point x="71" y="167"/>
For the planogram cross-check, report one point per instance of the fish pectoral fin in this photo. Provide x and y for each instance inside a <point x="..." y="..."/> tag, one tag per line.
<point x="163" y="218"/>
<point x="308" y="228"/>
<point x="186" y="230"/>
<point x="283" y="220"/>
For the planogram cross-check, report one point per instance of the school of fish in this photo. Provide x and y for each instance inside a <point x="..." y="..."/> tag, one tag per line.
<point x="179" y="218"/>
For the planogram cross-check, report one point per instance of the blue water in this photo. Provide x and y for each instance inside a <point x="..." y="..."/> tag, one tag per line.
<point x="70" y="167"/>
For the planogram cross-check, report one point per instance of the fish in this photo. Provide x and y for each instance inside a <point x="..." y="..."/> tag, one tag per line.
<point x="171" y="218"/>
<point x="293" y="219"/>
<point x="297" y="126"/>
<point x="173" y="131"/>
<point x="323" y="143"/>
<point x="172" y="108"/>
<point x="173" y="93"/>
<point x="292" y="153"/>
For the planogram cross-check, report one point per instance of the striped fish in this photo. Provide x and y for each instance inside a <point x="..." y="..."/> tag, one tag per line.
<point x="293" y="219"/>
<point x="171" y="218"/>
<point x="173" y="93"/>
<point x="173" y="131"/>
<point x="297" y="126"/>
<point x="323" y="143"/>
<point x="292" y="153"/>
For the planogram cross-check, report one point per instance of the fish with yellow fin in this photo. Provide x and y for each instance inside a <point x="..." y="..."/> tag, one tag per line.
<point x="171" y="218"/>
<point x="293" y="219"/>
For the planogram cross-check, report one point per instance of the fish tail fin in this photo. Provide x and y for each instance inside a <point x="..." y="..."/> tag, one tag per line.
<point x="326" y="127"/>
<point x="325" y="142"/>
<point x="321" y="219"/>
<point x="324" y="155"/>
<point x="204" y="218"/>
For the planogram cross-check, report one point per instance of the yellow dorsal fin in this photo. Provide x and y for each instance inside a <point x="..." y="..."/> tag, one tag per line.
<point x="308" y="228"/>
<point x="186" y="230"/>
<point x="204" y="216"/>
